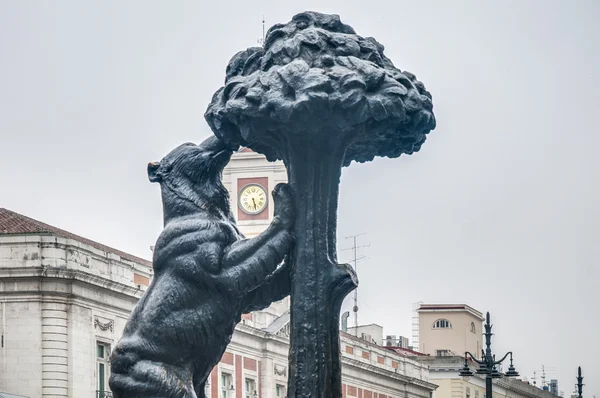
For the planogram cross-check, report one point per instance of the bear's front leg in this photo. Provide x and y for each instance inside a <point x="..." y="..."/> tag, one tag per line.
<point x="247" y="262"/>
<point x="276" y="287"/>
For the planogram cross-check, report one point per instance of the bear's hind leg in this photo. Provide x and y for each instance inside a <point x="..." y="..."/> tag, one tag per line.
<point x="147" y="379"/>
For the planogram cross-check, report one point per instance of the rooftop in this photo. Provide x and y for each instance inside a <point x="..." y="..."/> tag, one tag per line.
<point x="12" y="223"/>
<point x="365" y="326"/>
<point x="406" y="352"/>
<point x="450" y="308"/>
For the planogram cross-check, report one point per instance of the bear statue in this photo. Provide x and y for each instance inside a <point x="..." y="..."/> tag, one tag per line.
<point x="206" y="275"/>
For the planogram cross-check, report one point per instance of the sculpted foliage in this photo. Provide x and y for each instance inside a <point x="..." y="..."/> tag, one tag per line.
<point x="315" y="74"/>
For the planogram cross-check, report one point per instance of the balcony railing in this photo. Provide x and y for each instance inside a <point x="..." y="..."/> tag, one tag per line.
<point x="104" y="394"/>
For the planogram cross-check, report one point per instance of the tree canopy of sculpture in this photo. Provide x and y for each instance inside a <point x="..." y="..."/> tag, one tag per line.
<point x="316" y="75"/>
<point x="319" y="96"/>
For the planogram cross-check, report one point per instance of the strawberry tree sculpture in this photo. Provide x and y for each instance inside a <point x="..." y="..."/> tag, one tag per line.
<point x="318" y="96"/>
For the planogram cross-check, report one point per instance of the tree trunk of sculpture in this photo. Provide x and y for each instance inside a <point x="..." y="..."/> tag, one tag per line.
<point x="319" y="284"/>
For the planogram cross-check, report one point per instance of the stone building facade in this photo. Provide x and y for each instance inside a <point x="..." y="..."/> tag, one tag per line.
<point x="64" y="301"/>
<point x="256" y="365"/>
<point x="444" y="371"/>
<point x="449" y="329"/>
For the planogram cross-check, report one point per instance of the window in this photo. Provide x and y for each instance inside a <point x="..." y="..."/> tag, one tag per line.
<point x="226" y="385"/>
<point x="251" y="388"/>
<point x="468" y="392"/>
<point x="476" y="393"/>
<point x="279" y="391"/>
<point x="102" y="368"/>
<point x="442" y="324"/>
<point x="472" y="327"/>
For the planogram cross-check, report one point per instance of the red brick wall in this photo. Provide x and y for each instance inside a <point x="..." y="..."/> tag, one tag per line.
<point x="140" y="280"/>
<point x="264" y="182"/>
<point x="343" y="391"/>
<point x="368" y="394"/>
<point x="351" y="390"/>
<point x="380" y="360"/>
<point x="249" y="364"/>
<point x="259" y="381"/>
<point x="247" y="317"/>
<point x="238" y="376"/>
<point x="360" y="391"/>
<point x="227" y="358"/>
<point x="365" y="355"/>
<point x="214" y="382"/>
<point x="349" y="349"/>
<point x="394" y="364"/>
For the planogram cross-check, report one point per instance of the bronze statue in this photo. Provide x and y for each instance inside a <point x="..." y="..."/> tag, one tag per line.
<point x="205" y="276"/>
<point x="319" y="96"/>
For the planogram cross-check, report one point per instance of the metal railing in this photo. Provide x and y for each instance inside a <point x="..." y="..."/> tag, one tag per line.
<point x="104" y="394"/>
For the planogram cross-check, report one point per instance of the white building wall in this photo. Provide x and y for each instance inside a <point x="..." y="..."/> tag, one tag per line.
<point x="20" y="358"/>
<point x="55" y="293"/>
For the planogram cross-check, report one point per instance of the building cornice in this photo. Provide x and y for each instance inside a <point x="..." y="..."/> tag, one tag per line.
<point x="425" y="308"/>
<point x="357" y="364"/>
<point x="42" y="273"/>
<point x="48" y="240"/>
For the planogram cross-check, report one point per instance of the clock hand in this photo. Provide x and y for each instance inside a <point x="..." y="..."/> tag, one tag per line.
<point x="253" y="201"/>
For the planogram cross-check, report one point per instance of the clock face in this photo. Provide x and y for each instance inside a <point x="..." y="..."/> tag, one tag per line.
<point x="253" y="199"/>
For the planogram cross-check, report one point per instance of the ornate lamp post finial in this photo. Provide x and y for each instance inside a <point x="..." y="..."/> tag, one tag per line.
<point x="488" y="363"/>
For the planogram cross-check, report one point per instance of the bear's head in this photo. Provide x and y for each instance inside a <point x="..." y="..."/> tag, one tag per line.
<point x="190" y="179"/>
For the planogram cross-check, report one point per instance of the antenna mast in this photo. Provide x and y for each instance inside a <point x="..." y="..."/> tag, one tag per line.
<point x="543" y="377"/>
<point x="355" y="260"/>
<point x="261" y="41"/>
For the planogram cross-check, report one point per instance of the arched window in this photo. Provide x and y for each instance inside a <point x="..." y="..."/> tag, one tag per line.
<point x="473" y="327"/>
<point x="442" y="324"/>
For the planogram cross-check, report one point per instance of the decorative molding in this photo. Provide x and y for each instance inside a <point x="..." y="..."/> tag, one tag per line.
<point x="279" y="370"/>
<point x="284" y="331"/>
<point x="104" y="326"/>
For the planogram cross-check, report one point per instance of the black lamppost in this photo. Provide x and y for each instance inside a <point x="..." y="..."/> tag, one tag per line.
<point x="579" y="384"/>
<point x="487" y="364"/>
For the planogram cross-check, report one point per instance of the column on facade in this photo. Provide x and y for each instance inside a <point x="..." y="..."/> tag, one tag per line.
<point x="54" y="347"/>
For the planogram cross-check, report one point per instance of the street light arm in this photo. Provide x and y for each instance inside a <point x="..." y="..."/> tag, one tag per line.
<point x="503" y="358"/>
<point x="474" y="359"/>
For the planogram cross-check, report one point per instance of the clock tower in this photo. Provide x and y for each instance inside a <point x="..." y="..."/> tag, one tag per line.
<point x="250" y="178"/>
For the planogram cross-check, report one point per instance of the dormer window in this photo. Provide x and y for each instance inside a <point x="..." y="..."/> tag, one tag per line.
<point x="473" y="327"/>
<point x="442" y="324"/>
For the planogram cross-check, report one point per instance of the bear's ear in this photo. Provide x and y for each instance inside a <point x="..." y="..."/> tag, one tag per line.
<point x="153" y="174"/>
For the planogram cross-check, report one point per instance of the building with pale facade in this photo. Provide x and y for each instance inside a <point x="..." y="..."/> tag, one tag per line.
<point x="449" y="329"/>
<point x="64" y="301"/>
<point x="445" y="332"/>
<point x="444" y="371"/>
<point x="371" y="332"/>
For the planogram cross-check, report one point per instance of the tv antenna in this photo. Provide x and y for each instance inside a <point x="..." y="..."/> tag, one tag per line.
<point x="355" y="260"/>
<point x="261" y="41"/>
<point x="543" y="377"/>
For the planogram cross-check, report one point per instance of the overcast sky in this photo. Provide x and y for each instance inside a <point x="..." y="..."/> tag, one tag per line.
<point x="499" y="210"/>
